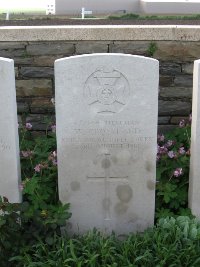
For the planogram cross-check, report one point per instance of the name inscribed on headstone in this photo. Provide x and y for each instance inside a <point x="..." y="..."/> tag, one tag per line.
<point x="105" y="133"/>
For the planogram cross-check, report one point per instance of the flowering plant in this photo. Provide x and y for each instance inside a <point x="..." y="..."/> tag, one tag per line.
<point x="173" y="155"/>
<point x="40" y="215"/>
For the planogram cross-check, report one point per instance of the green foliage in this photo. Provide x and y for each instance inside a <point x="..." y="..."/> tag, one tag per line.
<point x="151" y="49"/>
<point x="173" y="172"/>
<point x="155" y="17"/>
<point x="126" y="16"/>
<point x="172" y="242"/>
<point x="41" y="214"/>
<point x="31" y="229"/>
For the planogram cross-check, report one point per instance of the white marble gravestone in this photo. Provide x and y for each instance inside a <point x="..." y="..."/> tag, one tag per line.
<point x="194" y="182"/>
<point x="9" y="143"/>
<point x="106" y="113"/>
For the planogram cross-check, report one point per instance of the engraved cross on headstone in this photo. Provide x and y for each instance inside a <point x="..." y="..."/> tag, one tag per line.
<point x="107" y="178"/>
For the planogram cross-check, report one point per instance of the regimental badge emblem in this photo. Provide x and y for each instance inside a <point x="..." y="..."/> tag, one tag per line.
<point x="106" y="91"/>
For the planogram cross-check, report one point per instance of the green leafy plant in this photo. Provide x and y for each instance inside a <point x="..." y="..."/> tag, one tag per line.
<point x="173" y="171"/>
<point x="151" y="49"/>
<point x="40" y="215"/>
<point x="30" y="231"/>
<point x="172" y="242"/>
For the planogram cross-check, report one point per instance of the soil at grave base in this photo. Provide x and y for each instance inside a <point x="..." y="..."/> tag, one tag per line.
<point x="46" y="22"/>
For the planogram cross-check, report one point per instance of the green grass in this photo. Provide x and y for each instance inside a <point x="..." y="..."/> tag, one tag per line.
<point x="171" y="243"/>
<point x="40" y="14"/>
<point x="155" y="17"/>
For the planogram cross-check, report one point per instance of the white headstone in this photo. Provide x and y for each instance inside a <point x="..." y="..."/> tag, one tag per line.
<point x="194" y="182"/>
<point x="9" y="144"/>
<point x="106" y="112"/>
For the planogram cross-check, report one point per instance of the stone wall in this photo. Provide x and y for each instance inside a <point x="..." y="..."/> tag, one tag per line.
<point x="35" y="73"/>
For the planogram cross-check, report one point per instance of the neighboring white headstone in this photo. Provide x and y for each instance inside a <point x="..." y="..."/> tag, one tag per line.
<point x="9" y="144"/>
<point x="106" y="113"/>
<point x="194" y="183"/>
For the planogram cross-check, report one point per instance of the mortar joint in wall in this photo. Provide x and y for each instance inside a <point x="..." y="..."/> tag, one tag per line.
<point x="181" y="68"/>
<point x="108" y="50"/>
<point x="74" y="52"/>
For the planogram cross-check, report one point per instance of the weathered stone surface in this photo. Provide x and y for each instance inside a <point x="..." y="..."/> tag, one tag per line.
<point x="169" y="68"/>
<point x="50" y="48"/>
<point x="180" y="51"/>
<point x="194" y="182"/>
<point x="47" y="61"/>
<point x="40" y="122"/>
<point x="176" y="92"/>
<point x="101" y="130"/>
<point x="176" y="120"/>
<point x="9" y="143"/>
<point x="12" y="53"/>
<point x="12" y="45"/>
<point x="85" y="47"/>
<point x="162" y="129"/>
<point x="130" y="47"/>
<point x="35" y="87"/>
<point x="166" y="80"/>
<point x="174" y="108"/>
<point x="179" y="33"/>
<point x="22" y="107"/>
<point x="183" y="80"/>
<point x="37" y="72"/>
<point x="41" y="105"/>
<point x="24" y="60"/>
<point x="163" y="120"/>
<point x="187" y="68"/>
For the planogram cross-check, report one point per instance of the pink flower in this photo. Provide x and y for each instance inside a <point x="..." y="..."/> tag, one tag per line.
<point x="53" y="101"/>
<point x="161" y="137"/>
<point x="28" y="126"/>
<point x="54" y="162"/>
<point x="21" y="186"/>
<point x="182" y="123"/>
<point x="162" y="150"/>
<point x="157" y="157"/>
<point x="171" y="154"/>
<point x="53" y="128"/>
<point x="181" y="150"/>
<point x="38" y="167"/>
<point x="27" y="154"/>
<point x="178" y="172"/>
<point x="170" y="143"/>
<point x="53" y="157"/>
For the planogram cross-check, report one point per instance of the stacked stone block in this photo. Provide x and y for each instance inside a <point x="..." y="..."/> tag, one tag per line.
<point x="35" y="74"/>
